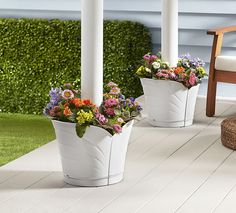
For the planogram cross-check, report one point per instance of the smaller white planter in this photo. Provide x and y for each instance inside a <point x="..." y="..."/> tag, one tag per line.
<point x="169" y="103"/>
<point x="97" y="159"/>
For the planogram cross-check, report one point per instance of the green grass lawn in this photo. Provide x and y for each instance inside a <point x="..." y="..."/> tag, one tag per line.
<point x="20" y="134"/>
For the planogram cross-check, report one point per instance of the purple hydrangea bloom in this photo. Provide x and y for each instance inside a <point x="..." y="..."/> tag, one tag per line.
<point x="55" y="94"/>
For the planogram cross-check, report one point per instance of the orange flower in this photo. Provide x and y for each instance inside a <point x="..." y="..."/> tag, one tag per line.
<point x="178" y="70"/>
<point x="66" y="104"/>
<point x="67" y="111"/>
<point x="88" y="102"/>
<point x="77" y="102"/>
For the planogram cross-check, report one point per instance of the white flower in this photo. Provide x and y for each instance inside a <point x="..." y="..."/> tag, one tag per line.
<point x="156" y="65"/>
<point x="120" y="120"/>
<point x="148" y="70"/>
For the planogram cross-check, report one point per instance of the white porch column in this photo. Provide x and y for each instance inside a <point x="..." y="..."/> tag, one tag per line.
<point x="169" y="31"/>
<point x="92" y="50"/>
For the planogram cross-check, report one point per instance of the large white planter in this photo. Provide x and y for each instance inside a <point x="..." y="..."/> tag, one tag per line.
<point x="169" y="103"/>
<point x="97" y="159"/>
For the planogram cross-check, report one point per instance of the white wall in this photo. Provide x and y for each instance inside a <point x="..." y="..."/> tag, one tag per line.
<point x="195" y="17"/>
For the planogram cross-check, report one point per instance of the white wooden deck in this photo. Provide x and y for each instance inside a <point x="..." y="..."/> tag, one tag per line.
<point x="182" y="170"/>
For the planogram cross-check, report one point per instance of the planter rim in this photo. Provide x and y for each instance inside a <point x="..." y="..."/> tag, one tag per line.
<point x="92" y="126"/>
<point x="169" y="81"/>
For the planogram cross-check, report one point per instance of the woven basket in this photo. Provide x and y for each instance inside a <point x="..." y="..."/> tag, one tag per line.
<point x="228" y="132"/>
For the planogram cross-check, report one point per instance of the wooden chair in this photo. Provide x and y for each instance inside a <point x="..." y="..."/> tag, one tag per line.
<point x="222" y="68"/>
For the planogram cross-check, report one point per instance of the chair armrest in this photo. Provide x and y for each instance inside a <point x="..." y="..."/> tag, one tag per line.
<point x="221" y="30"/>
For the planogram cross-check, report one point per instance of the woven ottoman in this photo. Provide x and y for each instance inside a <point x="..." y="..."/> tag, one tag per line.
<point x="228" y="132"/>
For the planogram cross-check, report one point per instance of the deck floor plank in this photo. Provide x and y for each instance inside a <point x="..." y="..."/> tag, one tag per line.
<point x="167" y="170"/>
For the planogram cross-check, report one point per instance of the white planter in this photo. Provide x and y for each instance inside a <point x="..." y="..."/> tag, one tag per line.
<point x="169" y="103"/>
<point x="97" y="159"/>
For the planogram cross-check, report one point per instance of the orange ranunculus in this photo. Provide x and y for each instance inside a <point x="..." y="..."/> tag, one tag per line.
<point x="77" y="102"/>
<point x="178" y="70"/>
<point x="67" y="111"/>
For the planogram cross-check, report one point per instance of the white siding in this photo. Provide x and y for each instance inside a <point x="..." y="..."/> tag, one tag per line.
<point x="195" y="17"/>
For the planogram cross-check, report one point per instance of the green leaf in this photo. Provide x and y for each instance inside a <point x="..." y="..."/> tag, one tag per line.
<point x="80" y="129"/>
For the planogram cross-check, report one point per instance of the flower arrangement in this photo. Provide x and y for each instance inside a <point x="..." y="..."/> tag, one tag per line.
<point x="115" y="111"/>
<point x="189" y="71"/>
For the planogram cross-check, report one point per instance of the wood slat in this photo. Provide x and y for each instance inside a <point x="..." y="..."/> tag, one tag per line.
<point x="190" y="6"/>
<point x="211" y="193"/>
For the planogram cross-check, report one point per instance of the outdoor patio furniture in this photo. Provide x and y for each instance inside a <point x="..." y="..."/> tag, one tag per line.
<point x="228" y="132"/>
<point x="222" y="68"/>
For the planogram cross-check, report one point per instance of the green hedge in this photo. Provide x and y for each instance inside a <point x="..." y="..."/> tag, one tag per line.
<point x="36" y="55"/>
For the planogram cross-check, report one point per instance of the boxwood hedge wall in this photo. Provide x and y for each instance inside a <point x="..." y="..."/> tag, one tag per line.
<point x="36" y="55"/>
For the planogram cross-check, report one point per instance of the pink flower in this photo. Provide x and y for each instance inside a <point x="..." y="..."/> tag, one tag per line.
<point x="161" y="74"/>
<point x="67" y="94"/>
<point x="192" y="79"/>
<point x="172" y="75"/>
<point x="149" y="58"/>
<point x="111" y="102"/>
<point x="112" y="84"/>
<point x="110" y="111"/>
<point x="146" y="57"/>
<point x="153" y="57"/>
<point x="101" y="118"/>
<point x="115" y="91"/>
<point x="117" y="128"/>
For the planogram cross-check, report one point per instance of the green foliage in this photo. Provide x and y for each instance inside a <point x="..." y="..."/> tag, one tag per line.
<point x="80" y="129"/>
<point x="36" y="55"/>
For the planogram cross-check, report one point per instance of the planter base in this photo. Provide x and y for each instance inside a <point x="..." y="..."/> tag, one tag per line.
<point x="169" y="103"/>
<point x="95" y="182"/>
<point x="153" y="122"/>
<point x="96" y="159"/>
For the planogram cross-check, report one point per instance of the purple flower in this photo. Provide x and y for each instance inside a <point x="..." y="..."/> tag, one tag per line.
<point x="122" y="97"/>
<point x="117" y="128"/>
<point x="55" y="94"/>
<point x="186" y="56"/>
<point x="139" y="108"/>
<point x="186" y="64"/>
<point x="47" y="109"/>
<point x="132" y="100"/>
<point x="101" y="118"/>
